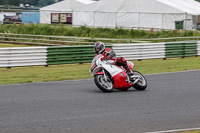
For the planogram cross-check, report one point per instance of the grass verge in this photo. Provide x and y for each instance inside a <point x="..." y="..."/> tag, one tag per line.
<point x="81" y="71"/>
<point x="5" y="45"/>
<point x="68" y="30"/>
<point x="198" y="131"/>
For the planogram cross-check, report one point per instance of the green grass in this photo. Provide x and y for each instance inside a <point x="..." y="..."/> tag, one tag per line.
<point x="68" y="30"/>
<point x="5" y="45"/>
<point x="189" y="132"/>
<point x="81" y="71"/>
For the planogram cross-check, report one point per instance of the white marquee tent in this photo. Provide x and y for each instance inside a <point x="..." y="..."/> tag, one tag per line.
<point x="138" y="14"/>
<point x="66" y="6"/>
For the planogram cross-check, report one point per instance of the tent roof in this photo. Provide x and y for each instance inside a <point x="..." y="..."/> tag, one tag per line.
<point x="144" y="6"/>
<point x="188" y="6"/>
<point x="67" y="5"/>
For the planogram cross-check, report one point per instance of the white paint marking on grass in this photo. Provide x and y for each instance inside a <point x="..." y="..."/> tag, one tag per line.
<point x="178" y="130"/>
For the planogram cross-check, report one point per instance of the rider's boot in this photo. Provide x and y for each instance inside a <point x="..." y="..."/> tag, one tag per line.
<point x="129" y="71"/>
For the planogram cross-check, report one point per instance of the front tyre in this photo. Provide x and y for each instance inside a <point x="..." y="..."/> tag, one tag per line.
<point x="141" y="84"/>
<point x="103" y="84"/>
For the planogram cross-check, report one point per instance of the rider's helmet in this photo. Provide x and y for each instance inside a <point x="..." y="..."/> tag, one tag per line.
<point x="99" y="47"/>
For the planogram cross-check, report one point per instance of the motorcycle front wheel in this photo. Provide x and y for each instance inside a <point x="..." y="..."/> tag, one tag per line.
<point x="103" y="84"/>
<point x="141" y="84"/>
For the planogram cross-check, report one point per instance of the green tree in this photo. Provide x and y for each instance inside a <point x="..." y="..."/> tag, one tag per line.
<point x="30" y="2"/>
<point x="34" y="2"/>
<point x="49" y="2"/>
<point x="14" y="2"/>
<point x="3" y="2"/>
<point x="42" y="3"/>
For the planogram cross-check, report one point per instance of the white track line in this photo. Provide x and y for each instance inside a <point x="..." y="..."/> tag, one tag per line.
<point x="178" y="130"/>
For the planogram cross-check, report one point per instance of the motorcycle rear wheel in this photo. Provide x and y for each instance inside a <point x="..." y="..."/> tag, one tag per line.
<point x="142" y="83"/>
<point x="102" y="84"/>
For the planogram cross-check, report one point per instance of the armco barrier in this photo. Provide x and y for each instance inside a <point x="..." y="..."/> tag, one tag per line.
<point x="30" y="56"/>
<point x="181" y="49"/>
<point x="198" y="47"/>
<point x="139" y="51"/>
<point x="23" y="56"/>
<point x="70" y="54"/>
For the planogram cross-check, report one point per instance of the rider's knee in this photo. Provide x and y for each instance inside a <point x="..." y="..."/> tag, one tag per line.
<point x="121" y="61"/>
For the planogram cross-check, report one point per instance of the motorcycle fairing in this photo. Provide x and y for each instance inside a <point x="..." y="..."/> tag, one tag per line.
<point x="130" y="64"/>
<point x="99" y="73"/>
<point x="120" y="81"/>
<point x="112" y="69"/>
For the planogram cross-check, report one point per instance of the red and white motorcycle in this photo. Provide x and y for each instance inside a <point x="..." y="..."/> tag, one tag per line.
<point x="108" y="76"/>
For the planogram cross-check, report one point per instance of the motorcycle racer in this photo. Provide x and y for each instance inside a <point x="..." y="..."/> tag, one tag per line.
<point x="109" y="54"/>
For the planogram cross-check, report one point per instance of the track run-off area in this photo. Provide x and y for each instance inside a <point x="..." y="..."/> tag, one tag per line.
<point x="170" y="102"/>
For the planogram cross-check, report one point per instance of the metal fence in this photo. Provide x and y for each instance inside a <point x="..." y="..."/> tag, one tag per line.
<point x="23" y="56"/>
<point x="67" y="55"/>
<point x="45" y="40"/>
<point x="198" y="48"/>
<point x="140" y="51"/>
<point x="30" y="56"/>
<point x="181" y="49"/>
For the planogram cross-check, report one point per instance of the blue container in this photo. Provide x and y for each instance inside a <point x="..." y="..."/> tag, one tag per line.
<point x="30" y="17"/>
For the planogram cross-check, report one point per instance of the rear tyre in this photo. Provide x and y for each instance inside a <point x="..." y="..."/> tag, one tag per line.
<point x="103" y="84"/>
<point x="141" y="84"/>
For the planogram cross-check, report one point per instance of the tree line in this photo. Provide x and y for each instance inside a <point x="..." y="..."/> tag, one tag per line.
<point x="39" y="3"/>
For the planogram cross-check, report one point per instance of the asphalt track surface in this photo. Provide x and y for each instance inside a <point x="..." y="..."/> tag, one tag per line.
<point x="171" y="101"/>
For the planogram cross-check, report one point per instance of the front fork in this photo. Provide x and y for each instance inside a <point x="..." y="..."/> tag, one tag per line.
<point x="105" y="77"/>
<point x="128" y="78"/>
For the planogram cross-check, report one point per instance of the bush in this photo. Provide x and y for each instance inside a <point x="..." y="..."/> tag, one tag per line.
<point x="68" y="30"/>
